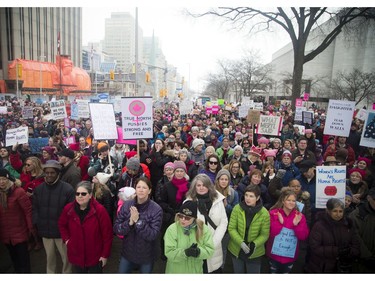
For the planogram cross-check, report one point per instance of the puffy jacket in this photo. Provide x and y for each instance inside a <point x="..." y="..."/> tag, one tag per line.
<point x="15" y="221"/>
<point x="48" y="203"/>
<point x="139" y="244"/>
<point x="301" y="231"/>
<point x="89" y="240"/>
<point x="71" y="174"/>
<point x="259" y="231"/>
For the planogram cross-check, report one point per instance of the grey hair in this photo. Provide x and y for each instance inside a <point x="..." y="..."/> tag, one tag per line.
<point x="212" y="192"/>
<point x="334" y="203"/>
<point x="86" y="185"/>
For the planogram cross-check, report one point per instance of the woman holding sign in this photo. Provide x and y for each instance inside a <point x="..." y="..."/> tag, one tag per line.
<point x="288" y="227"/>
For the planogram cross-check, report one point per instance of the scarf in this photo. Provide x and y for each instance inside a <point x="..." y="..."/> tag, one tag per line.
<point x="182" y="188"/>
<point x="189" y="227"/>
<point x="204" y="203"/>
<point x="4" y="196"/>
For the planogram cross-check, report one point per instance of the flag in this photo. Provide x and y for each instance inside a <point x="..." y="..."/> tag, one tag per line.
<point x="58" y="43"/>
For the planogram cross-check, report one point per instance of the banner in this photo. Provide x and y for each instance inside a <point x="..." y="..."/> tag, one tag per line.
<point x="307" y="117"/>
<point x="58" y="109"/>
<point x="269" y="125"/>
<point x="339" y="118"/>
<point x="27" y="112"/>
<point x="18" y="135"/>
<point x="137" y="118"/>
<point x="285" y="243"/>
<point x="103" y="121"/>
<point x="83" y="108"/>
<point x="368" y="132"/>
<point x="330" y="183"/>
<point x="36" y="144"/>
<point x="253" y="116"/>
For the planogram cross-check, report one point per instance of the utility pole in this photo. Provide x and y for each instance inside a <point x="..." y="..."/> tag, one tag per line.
<point x="136" y="52"/>
<point x="40" y="74"/>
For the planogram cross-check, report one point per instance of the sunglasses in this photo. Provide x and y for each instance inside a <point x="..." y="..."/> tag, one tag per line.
<point x="28" y="165"/>
<point x="246" y="143"/>
<point x="81" y="193"/>
<point x="213" y="163"/>
<point x="183" y="217"/>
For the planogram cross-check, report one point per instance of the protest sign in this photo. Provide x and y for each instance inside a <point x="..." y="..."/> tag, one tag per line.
<point x="298" y="102"/>
<point x="36" y="144"/>
<point x="220" y="102"/>
<point x="339" y="117"/>
<point x="243" y="110"/>
<point x="301" y="129"/>
<point x="285" y="243"/>
<point x="18" y="135"/>
<point x="298" y="114"/>
<point x="83" y="108"/>
<point x="185" y="107"/>
<point x="253" y="116"/>
<point x="330" y="183"/>
<point x="368" y="132"/>
<point x="307" y="117"/>
<point x="258" y="106"/>
<point x="58" y="109"/>
<point x="27" y="112"/>
<point x="361" y="114"/>
<point x="269" y="125"/>
<point x="3" y="110"/>
<point x="306" y="96"/>
<point x="121" y="139"/>
<point x="74" y="111"/>
<point x="103" y="121"/>
<point x="137" y="118"/>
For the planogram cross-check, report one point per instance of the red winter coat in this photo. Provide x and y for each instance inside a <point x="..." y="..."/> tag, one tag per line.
<point x="89" y="240"/>
<point x="29" y="182"/>
<point x="15" y="221"/>
<point x="83" y="164"/>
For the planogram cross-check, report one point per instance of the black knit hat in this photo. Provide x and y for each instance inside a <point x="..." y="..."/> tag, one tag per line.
<point x="189" y="208"/>
<point x="5" y="174"/>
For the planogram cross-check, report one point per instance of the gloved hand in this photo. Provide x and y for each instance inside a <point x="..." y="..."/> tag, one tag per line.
<point x="193" y="251"/>
<point x="280" y="173"/>
<point x="344" y="251"/>
<point x="245" y="248"/>
<point x="252" y="248"/>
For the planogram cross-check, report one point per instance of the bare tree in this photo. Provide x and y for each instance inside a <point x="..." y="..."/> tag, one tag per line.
<point x="355" y="86"/>
<point x="219" y="84"/>
<point x="298" y="23"/>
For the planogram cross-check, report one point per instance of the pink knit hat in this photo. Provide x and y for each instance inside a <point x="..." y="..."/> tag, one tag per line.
<point x="263" y="140"/>
<point x="169" y="165"/>
<point x="179" y="165"/>
<point x="270" y="153"/>
<point x="367" y="160"/>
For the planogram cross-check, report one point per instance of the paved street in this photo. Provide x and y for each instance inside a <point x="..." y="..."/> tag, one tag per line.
<point x="38" y="261"/>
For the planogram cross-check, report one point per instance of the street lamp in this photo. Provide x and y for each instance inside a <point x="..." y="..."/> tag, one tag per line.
<point x="40" y="74"/>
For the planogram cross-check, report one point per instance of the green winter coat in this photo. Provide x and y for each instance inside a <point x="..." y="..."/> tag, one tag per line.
<point x="258" y="233"/>
<point x="175" y="243"/>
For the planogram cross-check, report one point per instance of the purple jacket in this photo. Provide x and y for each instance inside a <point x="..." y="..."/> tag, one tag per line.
<point x="139" y="244"/>
<point x="301" y="231"/>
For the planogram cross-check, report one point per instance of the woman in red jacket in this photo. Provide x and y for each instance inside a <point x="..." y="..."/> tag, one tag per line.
<point x="15" y="221"/>
<point x="86" y="229"/>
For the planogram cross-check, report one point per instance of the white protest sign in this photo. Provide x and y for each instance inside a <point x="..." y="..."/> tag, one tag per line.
<point x="269" y="125"/>
<point x="330" y="183"/>
<point x="83" y="108"/>
<point x="243" y="110"/>
<point x="339" y="117"/>
<point x="58" y="109"/>
<point x="368" y="132"/>
<point x="361" y="115"/>
<point x="137" y="119"/>
<point x="258" y="106"/>
<point x="301" y="129"/>
<point x="27" y="112"/>
<point x="307" y="117"/>
<point x="103" y="121"/>
<point x="3" y="110"/>
<point x="185" y="107"/>
<point x="298" y="114"/>
<point x="18" y="135"/>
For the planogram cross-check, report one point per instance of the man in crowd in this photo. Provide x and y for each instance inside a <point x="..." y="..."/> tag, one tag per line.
<point x="70" y="173"/>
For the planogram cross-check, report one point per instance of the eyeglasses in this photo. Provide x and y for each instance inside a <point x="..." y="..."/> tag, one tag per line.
<point x="83" y="194"/>
<point x="183" y="217"/>
<point x="213" y="163"/>
<point x="28" y="165"/>
<point x="246" y="143"/>
<point x="235" y="167"/>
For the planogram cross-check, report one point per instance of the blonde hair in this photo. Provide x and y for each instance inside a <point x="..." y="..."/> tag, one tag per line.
<point x="36" y="163"/>
<point x="283" y="196"/>
<point x="200" y="225"/>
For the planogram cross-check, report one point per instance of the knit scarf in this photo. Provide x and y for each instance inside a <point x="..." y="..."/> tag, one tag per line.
<point x="182" y="188"/>
<point x="189" y="227"/>
<point x="204" y="203"/>
<point x="4" y="196"/>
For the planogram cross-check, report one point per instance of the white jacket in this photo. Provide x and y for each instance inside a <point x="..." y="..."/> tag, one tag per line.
<point x="219" y="217"/>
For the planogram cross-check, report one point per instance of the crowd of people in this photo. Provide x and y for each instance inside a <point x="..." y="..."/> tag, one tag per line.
<point x="205" y="187"/>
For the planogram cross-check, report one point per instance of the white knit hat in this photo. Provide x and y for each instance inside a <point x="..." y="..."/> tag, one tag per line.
<point x="197" y="142"/>
<point x="103" y="177"/>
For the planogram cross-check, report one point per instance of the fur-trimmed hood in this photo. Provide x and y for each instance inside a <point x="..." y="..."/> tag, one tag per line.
<point x="169" y="152"/>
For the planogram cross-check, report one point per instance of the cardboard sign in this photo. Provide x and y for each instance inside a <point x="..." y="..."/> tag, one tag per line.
<point x="368" y="132"/>
<point x="330" y="183"/>
<point x="137" y="118"/>
<point x="285" y="243"/>
<point x="103" y="121"/>
<point x="27" y="112"/>
<point x="269" y="125"/>
<point x="253" y="116"/>
<point x="18" y="135"/>
<point x="339" y="117"/>
<point x="58" y="109"/>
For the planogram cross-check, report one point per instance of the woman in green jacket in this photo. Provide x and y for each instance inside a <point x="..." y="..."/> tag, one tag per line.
<point x="249" y="229"/>
<point x="187" y="242"/>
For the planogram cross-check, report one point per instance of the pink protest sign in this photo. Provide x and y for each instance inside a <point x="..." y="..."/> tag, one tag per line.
<point x="215" y="109"/>
<point x="373" y="106"/>
<point x="306" y="96"/>
<point x="208" y="110"/>
<point x="298" y="102"/>
<point x="120" y="140"/>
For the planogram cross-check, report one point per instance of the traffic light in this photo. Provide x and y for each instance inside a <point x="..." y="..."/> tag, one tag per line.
<point x="161" y="93"/>
<point x="112" y="75"/>
<point x="148" y="77"/>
